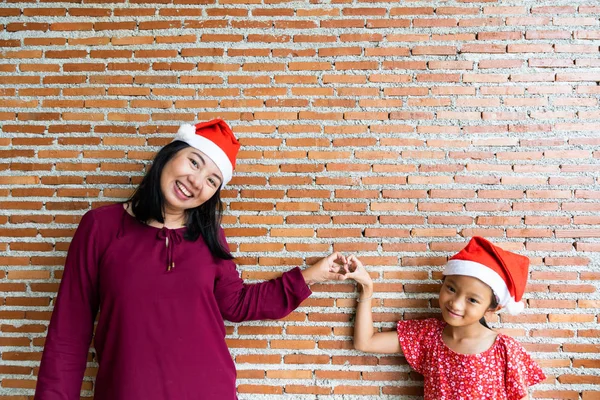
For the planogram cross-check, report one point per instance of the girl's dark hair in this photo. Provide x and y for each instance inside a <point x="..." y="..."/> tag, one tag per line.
<point x="148" y="204"/>
<point x="493" y="304"/>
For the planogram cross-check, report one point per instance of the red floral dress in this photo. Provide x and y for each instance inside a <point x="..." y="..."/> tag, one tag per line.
<point x="502" y="372"/>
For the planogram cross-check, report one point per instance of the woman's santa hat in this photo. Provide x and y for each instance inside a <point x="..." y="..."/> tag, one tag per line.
<point x="505" y="272"/>
<point x="216" y="140"/>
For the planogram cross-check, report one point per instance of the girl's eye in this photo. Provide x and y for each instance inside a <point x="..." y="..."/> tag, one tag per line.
<point x="450" y="288"/>
<point x="473" y="301"/>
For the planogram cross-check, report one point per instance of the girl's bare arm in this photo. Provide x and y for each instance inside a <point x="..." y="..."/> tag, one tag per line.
<point x="364" y="337"/>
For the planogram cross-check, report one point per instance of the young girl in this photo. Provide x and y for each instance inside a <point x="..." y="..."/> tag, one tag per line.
<point x="461" y="357"/>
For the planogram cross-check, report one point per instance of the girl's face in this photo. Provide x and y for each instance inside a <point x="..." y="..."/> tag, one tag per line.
<point x="188" y="180"/>
<point x="464" y="300"/>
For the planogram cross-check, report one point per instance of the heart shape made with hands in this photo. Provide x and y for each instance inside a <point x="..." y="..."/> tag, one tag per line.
<point x="347" y="265"/>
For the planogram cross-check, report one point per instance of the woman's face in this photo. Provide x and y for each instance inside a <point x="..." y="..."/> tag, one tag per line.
<point x="188" y="180"/>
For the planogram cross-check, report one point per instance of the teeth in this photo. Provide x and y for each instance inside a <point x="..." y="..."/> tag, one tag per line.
<point x="183" y="189"/>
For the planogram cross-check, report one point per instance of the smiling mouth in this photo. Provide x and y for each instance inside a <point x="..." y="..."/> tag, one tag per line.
<point x="453" y="313"/>
<point x="183" y="189"/>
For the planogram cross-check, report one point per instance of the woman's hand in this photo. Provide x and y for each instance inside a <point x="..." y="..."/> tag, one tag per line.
<point x="332" y="267"/>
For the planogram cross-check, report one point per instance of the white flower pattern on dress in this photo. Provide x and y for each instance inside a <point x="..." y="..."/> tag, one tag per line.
<point x="503" y="372"/>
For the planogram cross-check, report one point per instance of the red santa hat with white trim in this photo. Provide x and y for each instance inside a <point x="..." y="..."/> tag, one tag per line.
<point x="215" y="139"/>
<point x="505" y="272"/>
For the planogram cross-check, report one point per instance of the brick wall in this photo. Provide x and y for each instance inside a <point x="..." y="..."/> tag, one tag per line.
<point x="396" y="130"/>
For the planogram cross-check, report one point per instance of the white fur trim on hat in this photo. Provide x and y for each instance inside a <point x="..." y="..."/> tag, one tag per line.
<point x="187" y="133"/>
<point x="487" y="276"/>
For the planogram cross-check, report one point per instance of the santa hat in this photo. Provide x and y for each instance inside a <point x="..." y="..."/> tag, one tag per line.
<point x="505" y="272"/>
<point x="216" y="140"/>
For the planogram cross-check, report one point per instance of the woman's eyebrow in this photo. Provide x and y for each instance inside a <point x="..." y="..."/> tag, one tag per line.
<point x="204" y="163"/>
<point x="218" y="177"/>
<point x="200" y="157"/>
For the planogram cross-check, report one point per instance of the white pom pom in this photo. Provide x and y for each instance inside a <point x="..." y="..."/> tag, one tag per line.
<point x="514" y="307"/>
<point x="185" y="131"/>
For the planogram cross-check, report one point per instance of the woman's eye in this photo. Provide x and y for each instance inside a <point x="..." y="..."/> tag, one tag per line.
<point x="194" y="162"/>
<point x="212" y="182"/>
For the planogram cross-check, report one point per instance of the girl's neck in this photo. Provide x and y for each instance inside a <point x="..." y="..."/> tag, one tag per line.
<point x="470" y="339"/>
<point x="471" y="331"/>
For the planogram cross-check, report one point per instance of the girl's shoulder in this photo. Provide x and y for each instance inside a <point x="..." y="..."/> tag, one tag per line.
<point x="510" y="348"/>
<point x="520" y="368"/>
<point x="416" y="338"/>
<point x="508" y="342"/>
<point x="420" y="327"/>
<point x="424" y="323"/>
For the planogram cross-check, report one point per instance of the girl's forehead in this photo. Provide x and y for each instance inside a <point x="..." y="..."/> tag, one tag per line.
<point x="469" y="283"/>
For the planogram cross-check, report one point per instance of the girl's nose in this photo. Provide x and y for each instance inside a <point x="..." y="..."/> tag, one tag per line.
<point x="455" y="304"/>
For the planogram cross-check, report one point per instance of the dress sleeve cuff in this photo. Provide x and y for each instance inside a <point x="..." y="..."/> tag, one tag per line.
<point x="296" y="280"/>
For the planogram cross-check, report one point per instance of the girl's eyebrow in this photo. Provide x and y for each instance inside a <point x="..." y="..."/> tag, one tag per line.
<point x="473" y="295"/>
<point x="450" y="280"/>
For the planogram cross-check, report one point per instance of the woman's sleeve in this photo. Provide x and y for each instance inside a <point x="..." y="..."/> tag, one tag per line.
<point x="72" y="322"/>
<point x="271" y="299"/>
<point x="521" y="371"/>
<point x="412" y="336"/>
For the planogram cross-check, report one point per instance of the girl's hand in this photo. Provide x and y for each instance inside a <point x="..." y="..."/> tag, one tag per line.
<point x="357" y="271"/>
<point x="329" y="268"/>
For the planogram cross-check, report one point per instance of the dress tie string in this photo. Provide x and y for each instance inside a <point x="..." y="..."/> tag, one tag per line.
<point x="172" y="237"/>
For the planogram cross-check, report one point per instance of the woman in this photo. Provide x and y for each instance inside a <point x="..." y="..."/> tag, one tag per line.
<point x="159" y="269"/>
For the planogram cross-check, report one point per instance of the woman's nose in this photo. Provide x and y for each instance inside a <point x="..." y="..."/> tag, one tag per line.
<point x="195" y="181"/>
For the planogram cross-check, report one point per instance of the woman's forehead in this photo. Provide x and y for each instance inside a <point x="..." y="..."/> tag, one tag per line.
<point x="205" y="158"/>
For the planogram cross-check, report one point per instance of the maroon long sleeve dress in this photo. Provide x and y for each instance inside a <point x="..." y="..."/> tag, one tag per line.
<point x="160" y="333"/>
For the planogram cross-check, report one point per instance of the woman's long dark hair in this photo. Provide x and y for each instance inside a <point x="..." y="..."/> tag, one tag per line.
<point x="148" y="204"/>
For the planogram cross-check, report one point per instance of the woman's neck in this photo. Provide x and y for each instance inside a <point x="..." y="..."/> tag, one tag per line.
<point x="172" y="220"/>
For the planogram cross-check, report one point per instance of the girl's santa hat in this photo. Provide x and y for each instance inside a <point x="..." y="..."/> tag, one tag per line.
<point x="505" y="272"/>
<point x="216" y="140"/>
